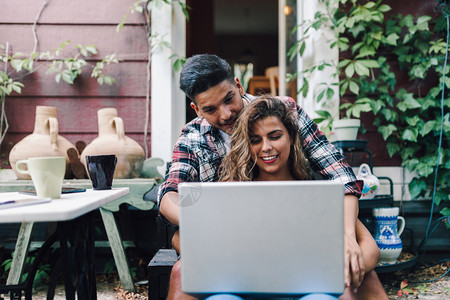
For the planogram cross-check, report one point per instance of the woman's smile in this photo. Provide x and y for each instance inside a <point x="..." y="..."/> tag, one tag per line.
<point x="269" y="159"/>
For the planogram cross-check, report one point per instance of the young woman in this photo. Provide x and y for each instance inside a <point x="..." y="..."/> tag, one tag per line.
<point x="265" y="146"/>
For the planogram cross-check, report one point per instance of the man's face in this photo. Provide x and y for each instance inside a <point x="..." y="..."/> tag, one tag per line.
<point x="220" y="105"/>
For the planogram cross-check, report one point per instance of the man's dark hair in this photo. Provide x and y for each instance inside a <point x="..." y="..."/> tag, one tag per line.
<point x="203" y="71"/>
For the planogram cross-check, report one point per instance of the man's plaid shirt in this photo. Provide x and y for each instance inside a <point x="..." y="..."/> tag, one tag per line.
<point x="200" y="149"/>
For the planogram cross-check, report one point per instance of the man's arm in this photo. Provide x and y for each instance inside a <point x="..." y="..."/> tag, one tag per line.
<point x="323" y="157"/>
<point x="184" y="168"/>
<point x="169" y="208"/>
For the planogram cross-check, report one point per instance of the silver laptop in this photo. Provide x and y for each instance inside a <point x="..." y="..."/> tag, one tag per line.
<point x="270" y="238"/>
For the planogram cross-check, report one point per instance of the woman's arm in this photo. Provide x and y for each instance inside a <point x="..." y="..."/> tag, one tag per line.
<point x="354" y="263"/>
<point x="369" y="248"/>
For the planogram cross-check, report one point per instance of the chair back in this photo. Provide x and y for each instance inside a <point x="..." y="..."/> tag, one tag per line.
<point x="272" y="74"/>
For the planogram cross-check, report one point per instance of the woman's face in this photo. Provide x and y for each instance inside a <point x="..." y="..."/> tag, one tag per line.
<point x="270" y="146"/>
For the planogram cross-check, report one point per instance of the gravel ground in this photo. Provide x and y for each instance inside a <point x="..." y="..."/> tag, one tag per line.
<point x="398" y="285"/>
<point x="412" y="284"/>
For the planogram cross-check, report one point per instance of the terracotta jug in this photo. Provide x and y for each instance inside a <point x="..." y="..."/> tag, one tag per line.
<point x="43" y="142"/>
<point x="112" y="140"/>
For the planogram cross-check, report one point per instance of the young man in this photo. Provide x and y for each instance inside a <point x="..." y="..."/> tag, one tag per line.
<point x="218" y="98"/>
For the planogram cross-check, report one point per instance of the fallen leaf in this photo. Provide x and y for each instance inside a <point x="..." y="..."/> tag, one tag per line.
<point x="403" y="284"/>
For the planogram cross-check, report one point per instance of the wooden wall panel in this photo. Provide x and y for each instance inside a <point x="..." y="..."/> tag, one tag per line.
<point x="128" y="44"/>
<point x="13" y="139"/>
<point x="75" y="115"/>
<point x="71" y="137"/>
<point x="131" y="82"/>
<point x="68" y="11"/>
<point x="82" y="22"/>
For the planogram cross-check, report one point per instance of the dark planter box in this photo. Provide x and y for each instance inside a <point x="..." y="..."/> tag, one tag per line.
<point x="417" y="214"/>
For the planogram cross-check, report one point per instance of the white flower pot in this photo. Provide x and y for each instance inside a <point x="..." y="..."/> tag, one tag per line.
<point x="346" y="129"/>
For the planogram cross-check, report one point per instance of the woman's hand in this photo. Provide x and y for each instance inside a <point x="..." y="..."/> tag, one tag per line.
<point x="354" y="264"/>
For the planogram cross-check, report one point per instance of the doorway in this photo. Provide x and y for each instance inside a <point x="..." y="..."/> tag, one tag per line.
<point x="243" y="32"/>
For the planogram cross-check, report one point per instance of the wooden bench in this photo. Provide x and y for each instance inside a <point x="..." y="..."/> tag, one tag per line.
<point x="159" y="270"/>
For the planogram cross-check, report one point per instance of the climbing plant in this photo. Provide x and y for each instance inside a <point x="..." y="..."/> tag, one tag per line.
<point x="14" y="67"/>
<point x="374" y="51"/>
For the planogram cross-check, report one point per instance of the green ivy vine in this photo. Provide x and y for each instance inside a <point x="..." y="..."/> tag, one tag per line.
<point x="411" y="121"/>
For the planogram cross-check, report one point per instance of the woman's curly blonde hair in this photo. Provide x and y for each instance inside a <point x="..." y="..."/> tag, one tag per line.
<point x="238" y="164"/>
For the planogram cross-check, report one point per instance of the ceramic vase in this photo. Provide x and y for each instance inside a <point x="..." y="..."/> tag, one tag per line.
<point x="43" y="142"/>
<point x="387" y="233"/>
<point x="112" y="140"/>
<point x="371" y="182"/>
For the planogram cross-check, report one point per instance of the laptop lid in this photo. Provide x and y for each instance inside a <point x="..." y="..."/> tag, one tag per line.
<point x="278" y="238"/>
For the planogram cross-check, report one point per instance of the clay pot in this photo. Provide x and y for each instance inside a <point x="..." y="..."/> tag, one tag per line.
<point x="43" y="142"/>
<point x="112" y="140"/>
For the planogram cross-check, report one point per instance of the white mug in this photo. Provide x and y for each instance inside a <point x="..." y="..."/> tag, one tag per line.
<point x="47" y="174"/>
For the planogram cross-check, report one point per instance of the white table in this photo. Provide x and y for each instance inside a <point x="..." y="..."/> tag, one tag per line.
<point x="68" y="207"/>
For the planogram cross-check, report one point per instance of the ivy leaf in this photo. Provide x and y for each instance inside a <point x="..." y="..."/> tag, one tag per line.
<point x="302" y="48"/>
<point x="392" y="39"/>
<point x="410" y="134"/>
<point x="343" y="43"/>
<point x="354" y="87"/>
<point x="445" y="211"/>
<point x="344" y="87"/>
<point x="17" y="87"/>
<point x="411" y="103"/>
<point x="446" y="124"/>
<point x="386" y="131"/>
<point x="361" y="69"/>
<point x="329" y="93"/>
<point x="424" y="170"/>
<point x="416" y="187"/>
<point x="447" y="82"/>
<point x="305" y="88"/>
<point x="350" y="70"/>
<point x="422" y="23"/>
<point x="320" y="96"/>
<point x="427" y="127"/>
<point x="343" y="63"/>
<point x="370" y="63"/>
<point x="384" y="8"/>
<point x="377" y="35"/>
<point x="109" y="80"/>
<point x="408" y="103"/>
<point x="413" y="121"/>
<point x="91" y="49"/>
<point x="418" y="71"/>
<point x="388" y="114"/>
<point x="365" y="52"/>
